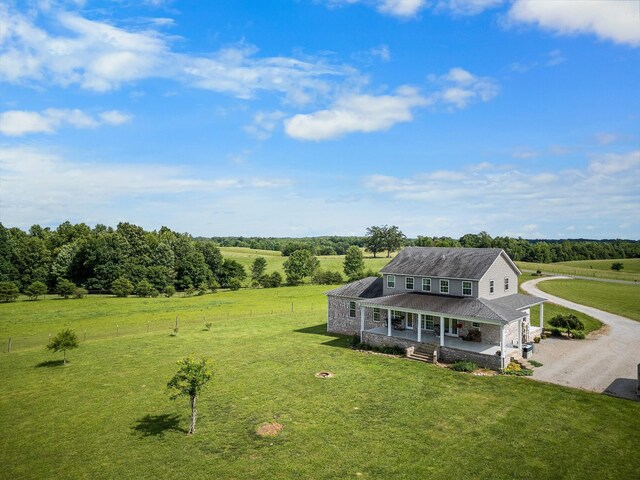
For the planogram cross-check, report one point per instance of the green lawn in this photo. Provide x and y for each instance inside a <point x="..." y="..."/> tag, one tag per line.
<point x="589" y="268"/>
<point x="551" y="310"/>
<point x="246" y="256"/>
<point x="107" y="414"/>
<point x="622" y="299"/>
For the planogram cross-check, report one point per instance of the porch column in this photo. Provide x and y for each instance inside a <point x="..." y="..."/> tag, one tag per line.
<point x="520" y="333"/>
<point x="501" y="346"/>
<point x="361" y="322"/>
<point x="388" y="322"/>
<point x="442" y="331"/>
<point x="419" y="327"/>
<point x="542" y="315"/>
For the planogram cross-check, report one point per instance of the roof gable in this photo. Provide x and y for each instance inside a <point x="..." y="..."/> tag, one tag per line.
<point x="369" y="287"/>
<point x="467" y="263"/>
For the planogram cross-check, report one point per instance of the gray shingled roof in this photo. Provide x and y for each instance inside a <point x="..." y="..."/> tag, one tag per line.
<point x="467" y="263"/>
<point x="516" y="301"/>
<point x="370" y="287"/>
<point x="454" y="306"/>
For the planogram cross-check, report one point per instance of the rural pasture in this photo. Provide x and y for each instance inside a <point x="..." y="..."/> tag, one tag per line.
<point x="108" y="415"/>
<point x="589" y="268"/>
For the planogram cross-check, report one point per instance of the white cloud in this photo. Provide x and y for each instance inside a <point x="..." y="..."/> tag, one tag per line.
<point x="16" y="123"/>
<point x="71" y="189"/>
<point x="264" y="124"/>
<point x="101" y="57"/>
<point x="356" y="113"/>
<point x="615" y="20"/>
<point x="467" y="7"/>
<point x="613" y="163"/>
<point x="458" y="88"/>
<point x="603" y="194"/>
<point x="396" y="8"/>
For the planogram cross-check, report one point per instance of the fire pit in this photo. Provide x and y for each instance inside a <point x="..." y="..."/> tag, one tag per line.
<point x="324" y="375"/>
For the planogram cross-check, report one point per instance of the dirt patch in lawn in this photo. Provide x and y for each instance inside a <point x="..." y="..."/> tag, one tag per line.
<point x="324" y="375"/>
<point x="270" y="429"/>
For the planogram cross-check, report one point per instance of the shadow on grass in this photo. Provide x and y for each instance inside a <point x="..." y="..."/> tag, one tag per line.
<point x="157" y="425"/>
<point x="341" y="341"/>
<point x="50" y="363"/>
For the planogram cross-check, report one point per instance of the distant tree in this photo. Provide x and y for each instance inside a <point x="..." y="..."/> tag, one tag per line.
<point x="235" y="284"/>
<point x="9" y="292"/>
<point x="65" y="288"/>
<point x="393" y="239"/>
<point x="299" y="265"/>
<point x="144" y="289"/>
<point x="121" y="287"/>
<point x="213" y="285"/>
<point x="80" y="292"/>
<point x="258" y="267"/>
<point x="375" y="240"/>
<point x="169" y="290"/>
<point x="327" y="277"/>
<point x="354" y="263"/>
<point x="231" y="269"/>
<point x="271" y="281"/>
<point x="65" y="340"/>
<point x="617" y="266"/>
<point x="35" y="290"/>
<point x="203" y="288"/>
<point x="189" y="381"/>
<point x="290" y="247"/>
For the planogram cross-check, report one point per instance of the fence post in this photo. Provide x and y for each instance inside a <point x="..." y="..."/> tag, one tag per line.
<point x="49" y="342"/>
<point x="291" y="307"/>
<point x="85" y="335"/>
<point x="9" y="347"/>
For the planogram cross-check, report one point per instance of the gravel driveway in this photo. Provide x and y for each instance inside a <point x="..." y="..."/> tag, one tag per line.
<point x="605" y="362"/>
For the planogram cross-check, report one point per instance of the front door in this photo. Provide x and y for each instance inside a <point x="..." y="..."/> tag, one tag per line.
<point x="410" y="319"/>
<point x="451" y="327"/>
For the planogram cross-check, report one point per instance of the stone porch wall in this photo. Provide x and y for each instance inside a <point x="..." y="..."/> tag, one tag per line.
<point x="445" y="354"/>
<point x="338" y="320"/>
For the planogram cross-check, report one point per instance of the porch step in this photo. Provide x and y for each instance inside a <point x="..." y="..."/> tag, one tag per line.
<point x="422" y="357"/>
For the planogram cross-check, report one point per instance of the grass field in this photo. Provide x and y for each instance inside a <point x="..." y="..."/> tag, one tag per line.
<point x="551" y="310"/>
<point x="589" y="268"/>
<point x="107" y="414"/>
<point x="246" y="256"/>
<point x="623" y="299"/>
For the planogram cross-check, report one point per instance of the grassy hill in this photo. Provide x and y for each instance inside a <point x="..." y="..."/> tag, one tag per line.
<point x="108" y="415"/>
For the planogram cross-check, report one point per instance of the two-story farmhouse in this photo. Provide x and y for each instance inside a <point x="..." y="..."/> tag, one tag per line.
<point x="454" y="303"/>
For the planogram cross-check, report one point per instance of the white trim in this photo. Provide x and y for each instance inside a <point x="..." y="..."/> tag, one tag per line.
<point x="438" y="314"/>
<point x="413" y="283"/>
<point x="430" y="276"/>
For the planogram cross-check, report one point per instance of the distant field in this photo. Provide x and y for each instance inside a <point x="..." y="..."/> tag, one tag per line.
<point x="246" y="256"/>
<point x="589" y="268"/>
<point x="107" y="414"/>
<point x="622" y="299"/>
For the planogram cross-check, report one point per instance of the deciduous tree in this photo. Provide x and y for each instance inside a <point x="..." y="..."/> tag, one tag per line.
<point x="121" y="287"/>
<point x="65" y="340"/>
<point x="8" y="292"/>
<point x="354" y="263"/>
<point x="35" y="290"/>
<point x="300" y="264"/>
<point x="190" y="379"/>
<point x="65" y="288"/>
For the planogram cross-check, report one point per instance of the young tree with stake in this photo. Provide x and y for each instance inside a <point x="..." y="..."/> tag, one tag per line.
<point x="192" y="376"/>
<point x="65" y="340"/>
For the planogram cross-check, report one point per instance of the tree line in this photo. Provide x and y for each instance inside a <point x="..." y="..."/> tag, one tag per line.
<point x="99" y="258"/>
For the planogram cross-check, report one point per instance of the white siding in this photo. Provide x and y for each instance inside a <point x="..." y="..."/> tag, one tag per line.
<point x="500" y="270"/>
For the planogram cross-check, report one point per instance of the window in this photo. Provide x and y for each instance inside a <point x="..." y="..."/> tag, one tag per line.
<point x="466" y="288"/>
<point x="475" y="324"/>
<point x="352" y="309"/>
<point x="490" y="286"/>
<point x="376" y="314"/>
<point x="506" y="283"/>
<point x="426" y="284"/>
<point x="391" y="281"/>
<point x="444" y="286"/>
<point x="408" y="283"/>
<point x="427" y="322"/>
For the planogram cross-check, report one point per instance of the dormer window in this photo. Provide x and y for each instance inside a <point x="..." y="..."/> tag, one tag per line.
<point x="426" y="284"/>
<point x="466" y="288"/>
<point x="408" y="283"/>
<point x="391" y="281"/>
<point x="444" y="286"/>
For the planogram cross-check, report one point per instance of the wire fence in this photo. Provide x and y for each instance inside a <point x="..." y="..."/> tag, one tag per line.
<point x="168" y="323"/>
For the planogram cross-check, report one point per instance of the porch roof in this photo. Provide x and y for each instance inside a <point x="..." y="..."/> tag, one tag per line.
<point x="504" y="311"/>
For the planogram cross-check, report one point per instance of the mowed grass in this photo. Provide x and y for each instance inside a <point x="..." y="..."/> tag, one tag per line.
<point x="589" y="268"/>
<point x="108" y="415"/>
<point x="622" y="299"/>
<point x="551" y="310"/>
<point x="275" y="260"/>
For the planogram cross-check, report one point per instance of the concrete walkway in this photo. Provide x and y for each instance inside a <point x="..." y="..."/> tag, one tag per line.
<point x="605" y="362"/>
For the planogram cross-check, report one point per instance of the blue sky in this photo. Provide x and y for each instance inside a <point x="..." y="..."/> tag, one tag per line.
<point x="315" y="117"/>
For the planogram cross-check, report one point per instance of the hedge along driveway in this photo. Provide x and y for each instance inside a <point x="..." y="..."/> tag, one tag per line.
<point x="605" y="361"/>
